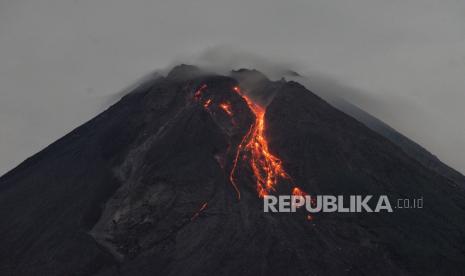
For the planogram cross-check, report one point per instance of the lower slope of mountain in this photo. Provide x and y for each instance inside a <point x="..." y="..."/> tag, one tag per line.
<point x="168" y="181"/>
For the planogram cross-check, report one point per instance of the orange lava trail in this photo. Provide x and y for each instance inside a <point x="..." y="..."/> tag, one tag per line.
<point x="227" y="108"/>
<point x="236" y="159"/>
<point x="266" y="167"/>
<point x="204" y="206"/>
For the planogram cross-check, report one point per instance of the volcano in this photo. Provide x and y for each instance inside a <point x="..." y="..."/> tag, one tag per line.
<point x="170" y="181"/>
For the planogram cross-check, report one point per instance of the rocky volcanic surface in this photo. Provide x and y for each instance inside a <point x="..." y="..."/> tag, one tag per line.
<point x="145" y="189"/>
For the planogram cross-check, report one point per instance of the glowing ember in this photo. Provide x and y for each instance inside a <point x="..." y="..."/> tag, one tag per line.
<point x="204" y="206"/>
<point x="199" y="91"/>
<point x="266" y="167"/>
<point x="298" y="192"/>
<point x="227" y="108"/>
<point x="207" y="103"/>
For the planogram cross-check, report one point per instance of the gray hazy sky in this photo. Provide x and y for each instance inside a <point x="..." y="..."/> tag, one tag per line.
<point x="63" y="61"/>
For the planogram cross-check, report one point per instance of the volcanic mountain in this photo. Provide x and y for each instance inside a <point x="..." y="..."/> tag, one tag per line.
<point x="170" y="180"/>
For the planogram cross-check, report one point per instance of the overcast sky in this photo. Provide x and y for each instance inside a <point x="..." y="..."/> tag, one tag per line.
<point x="62" y="61"/>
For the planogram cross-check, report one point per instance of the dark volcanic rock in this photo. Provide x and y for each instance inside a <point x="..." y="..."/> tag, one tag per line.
<point x="413" y="149"/>
<point x="328" y="152"/>
<point x="144" y="189"/>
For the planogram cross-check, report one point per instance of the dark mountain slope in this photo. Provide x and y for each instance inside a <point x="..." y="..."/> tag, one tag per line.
<point x="331" y="153"/>
<point x="411" y="148"/>
<point x="145" y="188"/>
<point x="340" y="96"/>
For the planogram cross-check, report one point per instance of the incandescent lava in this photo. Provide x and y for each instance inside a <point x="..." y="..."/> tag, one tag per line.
<point x="266" y="167"/>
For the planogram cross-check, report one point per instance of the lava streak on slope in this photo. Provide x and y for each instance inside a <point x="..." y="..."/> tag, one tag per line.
<point x="202" y="208"/>
<point x="266" y="167"/>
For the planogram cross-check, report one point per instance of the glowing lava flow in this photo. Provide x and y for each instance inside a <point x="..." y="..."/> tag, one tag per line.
<point x="266" y="167"/>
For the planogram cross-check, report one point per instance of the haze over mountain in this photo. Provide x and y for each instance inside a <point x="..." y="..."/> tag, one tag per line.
<point x="62" y="61"/>
<point x="168" y="181"/>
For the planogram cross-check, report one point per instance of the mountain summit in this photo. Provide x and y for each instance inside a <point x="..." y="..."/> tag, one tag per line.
<point x="169" y="181"/>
